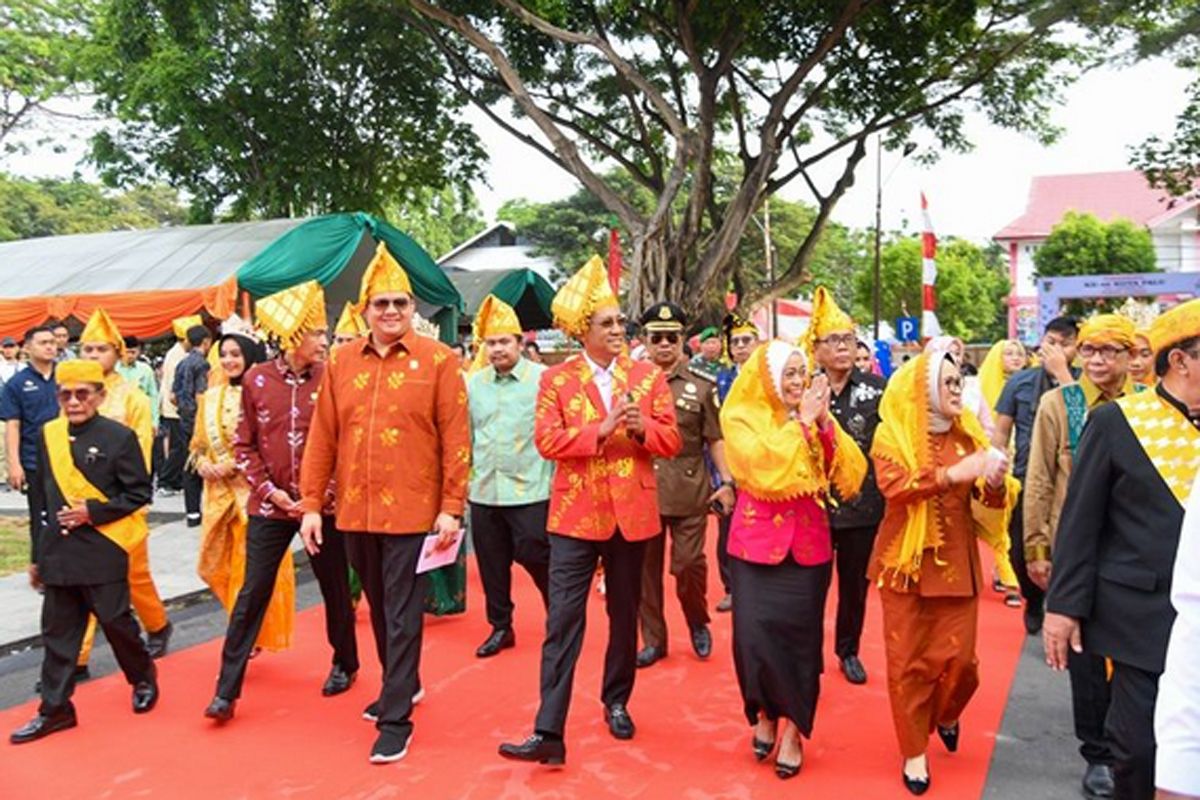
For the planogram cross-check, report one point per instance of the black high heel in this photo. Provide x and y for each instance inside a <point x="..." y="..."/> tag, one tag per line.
<point x="917" y="786"/>
<point x="949" y="736"/>
<point x="761" y="749"/>
<point x="784" y="771"/>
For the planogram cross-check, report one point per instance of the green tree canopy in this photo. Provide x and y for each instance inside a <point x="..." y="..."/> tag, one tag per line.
<point x="439" y="220"/>
<point x="275" y="109"/>
<point x="794" y="90"/>
<point x="48" y="207"/>
<point x="972" y="283"/>
<point x="1080" y="244"/>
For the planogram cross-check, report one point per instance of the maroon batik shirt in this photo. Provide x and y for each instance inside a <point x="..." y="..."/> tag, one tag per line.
<point x="277" y="409"/>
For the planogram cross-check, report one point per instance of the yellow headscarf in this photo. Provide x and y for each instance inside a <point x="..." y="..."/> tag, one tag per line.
<point x="1108" y="329"/>
<point x="992" y="376"/>
<point x="351" y="323"/>
<point x="769" y="454"/>
<point x="827" y="318"/>
<point x="1179" y="323"/>
<point x="587" y="291"/>
<point x="101" y="328"/>
<point x="292" y="313"/>
<point x="181" y="325"/>
<point x="382" y="276"/>
<point x="904" y="437"/>
<point x="78" y="370"/>
<point x="494" y="318"/>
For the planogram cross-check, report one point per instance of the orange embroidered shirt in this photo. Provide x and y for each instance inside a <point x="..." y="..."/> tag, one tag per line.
<point x="393" y="433"/>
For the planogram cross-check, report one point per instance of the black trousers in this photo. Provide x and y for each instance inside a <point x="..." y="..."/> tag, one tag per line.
<point x="267" y="541"/>
<point x="572" y="566"/>
<point x="65" y="612"/>
<point x="387" y="566"/>
<point x="1035" y="598"/>
<point x="1091" y="695"/>
<point x="193" y="484"/>
<point x="690" y="568"/>
<point x="1130" y="728"/>
<point x="171" y="474"/>
<point x="35" y="498"/>
<point x="503" y="535"/>
<point x="724" y="521"/>
<point x="852" y="548"/>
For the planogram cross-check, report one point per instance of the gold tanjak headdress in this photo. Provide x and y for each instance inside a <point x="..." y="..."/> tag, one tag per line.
<point x="101" y="328"/>
<point x="587" y="291"/>
<point x="290" y="314"/>
<point x="494" y="318"/>
<point x="1175" y="325"/>
<point x="1108" y="329"/>
<point x="827" y="318"/>
<point x="78" y="370"/>
<point x="351" y="323"/>
<point x="181" y="325"/>
<point x="382" y="276"/>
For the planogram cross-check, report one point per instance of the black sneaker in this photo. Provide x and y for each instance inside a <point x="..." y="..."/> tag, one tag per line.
<point x="389" y="748"/>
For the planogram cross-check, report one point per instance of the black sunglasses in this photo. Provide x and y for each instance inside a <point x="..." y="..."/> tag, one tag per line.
<point x="382" y="304"/>
<point x="82" y="395"/>
<point x="670" y="338"/>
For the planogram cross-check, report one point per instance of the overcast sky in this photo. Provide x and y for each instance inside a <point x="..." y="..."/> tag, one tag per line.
<point x="971" y="195"/>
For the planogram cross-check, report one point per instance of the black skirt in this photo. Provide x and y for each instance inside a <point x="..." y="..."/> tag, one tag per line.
<point x="778" y="634"/>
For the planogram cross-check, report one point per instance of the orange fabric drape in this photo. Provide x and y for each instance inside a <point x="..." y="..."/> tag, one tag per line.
<point x="146" y="313"/>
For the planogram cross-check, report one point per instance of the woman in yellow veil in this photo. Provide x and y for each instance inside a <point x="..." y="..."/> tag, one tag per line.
<point x="785" y="450"/>
<point x="222" y="563"/>
<point x="944" y="487"/>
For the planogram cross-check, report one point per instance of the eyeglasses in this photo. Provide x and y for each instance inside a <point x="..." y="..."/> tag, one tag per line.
<point x="382" y="304"/>
<point x="669" y="337"/>
<point x="82" y="395"/>
<point x="840" y="340"/>
<point x="954" y="383"/>
<point x="610" y="322"/>
<point x="742" y="341"/>
<point x="1108" y="352"/>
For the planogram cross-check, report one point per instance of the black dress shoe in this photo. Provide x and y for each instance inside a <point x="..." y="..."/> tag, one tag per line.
<point x="145" y="696"/>
<point x="156" y="643"/>
<point x="1033" y="619"/>
<point x="40" y="726"/>
<point x="725" y="604"/>
<point x="338" y="681"/>
<point x="1098" y="782"/>
<point x="949" y="736"/>
<point x="501" y="639"/>
<point x="702" y="641"/>
<point x="220" y="709"/>
<point x="649" y="655"/>
<point x="914" y="785"/>
<point x="854" y="670"/>
<point x="620" y="724"/>
<point x="761" y="748"/>
<point x="538" y="749"/>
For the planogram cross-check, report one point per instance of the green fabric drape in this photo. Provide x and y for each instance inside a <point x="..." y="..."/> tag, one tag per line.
<point x="322" y="247"/>
<point x="514" y="286"/>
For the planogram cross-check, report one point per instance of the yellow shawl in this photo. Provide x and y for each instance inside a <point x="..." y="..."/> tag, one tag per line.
<point x="904" y="437"/>
<point x="991" y="372"/>
<point x="771" y="456"/>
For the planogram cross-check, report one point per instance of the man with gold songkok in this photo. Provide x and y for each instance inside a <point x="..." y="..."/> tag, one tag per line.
<point x="127" y="404"/>
<point x="1117" y="539"/>
<point x="350" y="325"/>
<point x="1105" y="341"/>
<point x="510" y="481"/>
<point x="278" y="398"/>
<point x="854" y="398"/>
<point x="603" y="418"/>
<point x="391" y="429"/>
<point x="96" y="482"/>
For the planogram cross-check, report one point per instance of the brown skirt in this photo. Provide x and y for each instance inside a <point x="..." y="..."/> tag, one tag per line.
<point x="931" y="663"/>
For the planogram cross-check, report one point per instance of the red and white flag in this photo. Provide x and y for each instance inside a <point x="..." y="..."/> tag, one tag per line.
<point x="929" y="321"/>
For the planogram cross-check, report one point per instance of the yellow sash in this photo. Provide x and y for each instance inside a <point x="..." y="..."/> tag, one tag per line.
<point x="1172" y="444"/>
<point x="127" y="532"/>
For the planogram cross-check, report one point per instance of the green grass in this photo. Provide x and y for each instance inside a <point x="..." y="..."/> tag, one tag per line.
<point x="14" y="545"/>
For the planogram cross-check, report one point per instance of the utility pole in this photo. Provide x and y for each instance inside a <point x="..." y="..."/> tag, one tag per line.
<point x="877" y="291"/>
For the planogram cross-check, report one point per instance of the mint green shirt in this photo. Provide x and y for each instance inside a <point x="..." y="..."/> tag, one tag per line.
<point x="141" y="375"/>
<point x="506" y="468"/>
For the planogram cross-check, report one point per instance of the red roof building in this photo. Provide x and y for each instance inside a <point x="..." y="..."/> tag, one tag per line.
<point x="1173" y="223"/>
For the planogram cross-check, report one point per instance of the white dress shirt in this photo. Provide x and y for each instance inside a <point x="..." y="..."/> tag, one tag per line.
<point x="1177" y="711"/>
<point x="603" y="377"/>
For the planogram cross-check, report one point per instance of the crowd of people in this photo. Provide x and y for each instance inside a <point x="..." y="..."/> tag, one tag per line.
<point x="1074" y="472"/>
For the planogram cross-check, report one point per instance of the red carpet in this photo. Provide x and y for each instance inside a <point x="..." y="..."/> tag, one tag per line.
<point x="692" y="742"/>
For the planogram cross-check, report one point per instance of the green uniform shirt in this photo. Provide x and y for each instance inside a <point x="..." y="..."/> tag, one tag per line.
<point x="506" y="468"/>
<point x="141" y="375"/>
